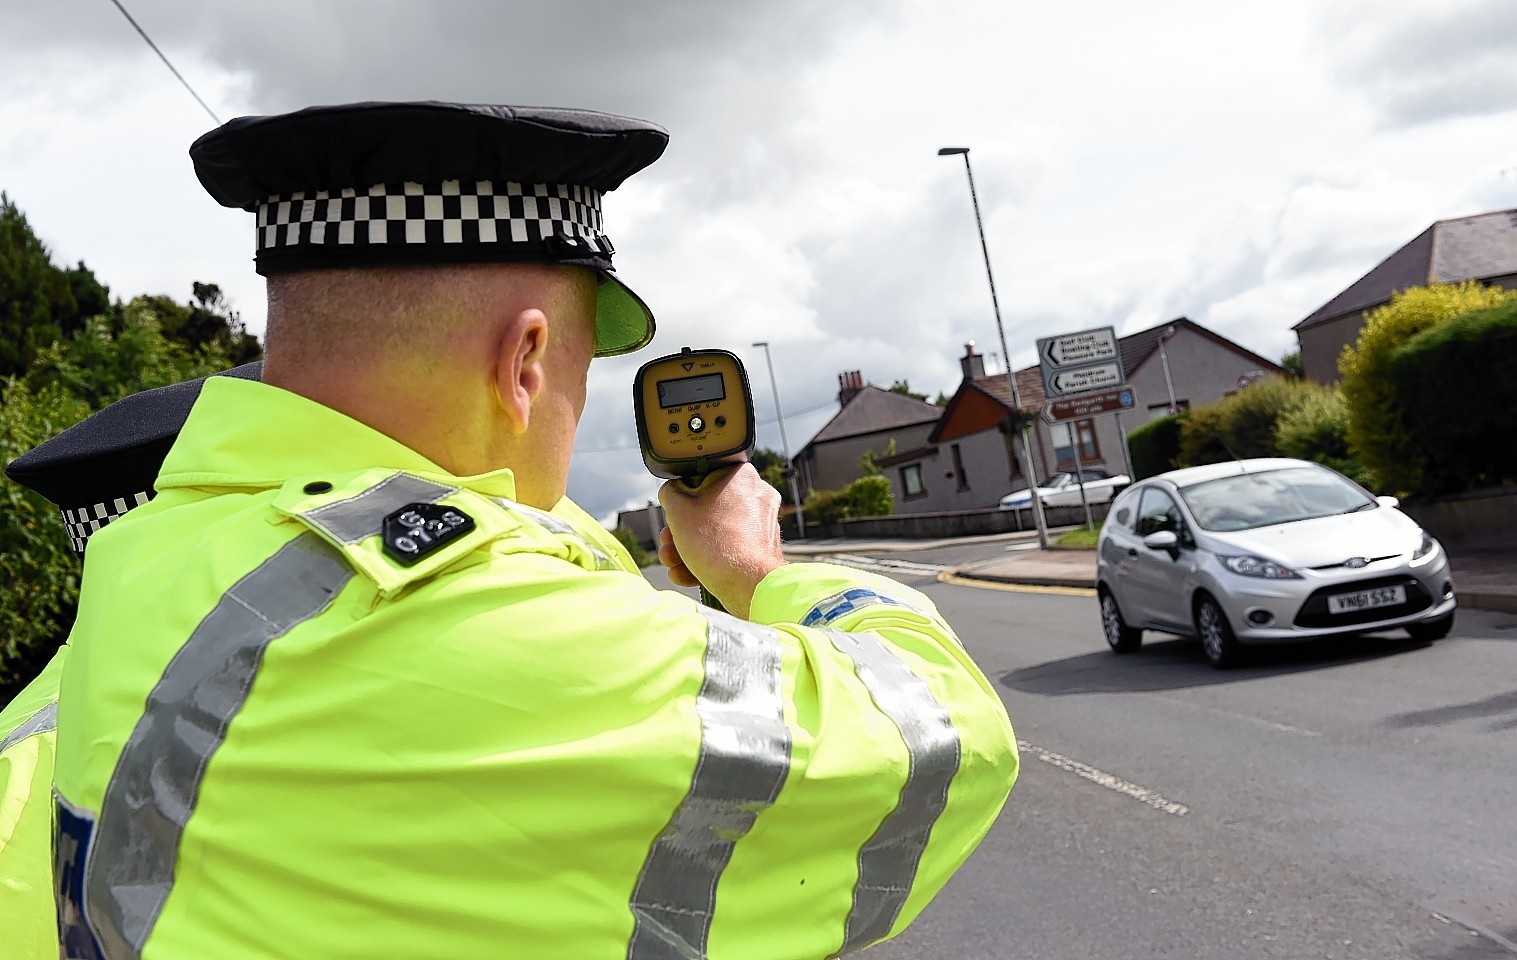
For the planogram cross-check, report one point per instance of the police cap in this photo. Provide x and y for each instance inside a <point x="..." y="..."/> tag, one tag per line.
<point x="106" y="464"/>
<point x="381" y="184"/>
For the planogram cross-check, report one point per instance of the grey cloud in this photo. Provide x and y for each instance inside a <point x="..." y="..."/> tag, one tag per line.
<point x="1440" y="62"/>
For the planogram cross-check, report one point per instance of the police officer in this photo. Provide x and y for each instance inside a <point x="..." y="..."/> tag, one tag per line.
<point x="364" y="683"/>
<point x="95" y="471"/>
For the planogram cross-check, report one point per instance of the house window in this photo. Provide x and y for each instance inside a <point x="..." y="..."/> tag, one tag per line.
<point x="1065" y="435"/>
<point x="911" y="481"/>
<point x="958" y="467"/>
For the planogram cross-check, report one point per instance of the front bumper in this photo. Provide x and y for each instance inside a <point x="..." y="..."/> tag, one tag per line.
<point x="1278" y="613"/>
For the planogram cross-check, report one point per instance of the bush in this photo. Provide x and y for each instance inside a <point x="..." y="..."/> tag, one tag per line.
<point x="864" y="497"/>
<point x="1155" y="446"/>
<point x="1378" y="429"/>
<point x="1242" y="425"/>
<point x="65" y="383"/>
<point x="1457" y="384"/>
<point x="37" y="566"/>
<point x="628" y="539"/>
<point x="1318" y="430"/>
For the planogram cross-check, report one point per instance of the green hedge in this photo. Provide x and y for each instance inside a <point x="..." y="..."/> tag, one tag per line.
<point x="864" y="497"/>
<point x="1242" y="425"/>
<point x="1155" y="446"/>
<point x="1457" y="387"/>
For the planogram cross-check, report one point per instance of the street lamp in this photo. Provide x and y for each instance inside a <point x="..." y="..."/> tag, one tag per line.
<point x="795" y="491"/>
<point x="1011" y="379"/>
<point x="1164" y="359"/>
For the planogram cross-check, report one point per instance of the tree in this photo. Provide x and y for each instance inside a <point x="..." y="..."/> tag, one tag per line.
<point x="39" y="303"/>
<point x="772" y="467"/>
<point x="1294" y="368"/>
<point x="1378" y="429"/>
<point x="904" y="389"/>
<point x="98" y="364"/>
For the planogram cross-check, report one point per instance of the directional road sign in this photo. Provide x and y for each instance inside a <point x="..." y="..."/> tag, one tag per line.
<point x="1087" y="405"/>
<point x="1078" y="349"/>
<point x="1080" y="362"/>
<point x="1083" y="379"/>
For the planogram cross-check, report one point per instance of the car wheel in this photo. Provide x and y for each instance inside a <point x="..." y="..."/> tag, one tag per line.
<point x="1430" y="630"/>
<point x="1217" y="639"/>
<point x="1119" y="636"/>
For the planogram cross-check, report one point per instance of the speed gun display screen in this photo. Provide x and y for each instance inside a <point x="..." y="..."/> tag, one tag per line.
<point x="674" y="393"/>
<point x="694" y="413"/>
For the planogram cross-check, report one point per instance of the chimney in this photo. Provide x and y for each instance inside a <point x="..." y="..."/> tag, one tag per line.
<point x="850" y="382"/>
<point x="972" y="363"/>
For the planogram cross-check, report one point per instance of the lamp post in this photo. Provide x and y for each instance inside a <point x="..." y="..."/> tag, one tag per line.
<point x="795" y="490"/>
<point x="1011" y="380"/>
<point x="1164" y="359"/>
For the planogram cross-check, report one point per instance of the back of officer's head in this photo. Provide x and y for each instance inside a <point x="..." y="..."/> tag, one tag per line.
<point x="440" y="271"/>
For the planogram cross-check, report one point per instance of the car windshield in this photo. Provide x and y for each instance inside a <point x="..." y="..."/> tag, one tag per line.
<point x="1059" y="480"/>
<point x="1266" y="498"/>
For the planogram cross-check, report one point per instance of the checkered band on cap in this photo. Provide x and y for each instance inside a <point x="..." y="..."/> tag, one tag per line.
<point x="82" y="522"/>
<point x="412" y="214"/>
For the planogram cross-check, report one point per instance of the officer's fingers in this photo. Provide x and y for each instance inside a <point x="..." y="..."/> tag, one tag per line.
<point x="681" y="576"/>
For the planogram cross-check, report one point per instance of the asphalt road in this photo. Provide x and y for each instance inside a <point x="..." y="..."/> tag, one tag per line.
<point x="1354" y="799"/>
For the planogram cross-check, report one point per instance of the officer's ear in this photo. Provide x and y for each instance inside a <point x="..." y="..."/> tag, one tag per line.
<point x="520" y="349"/>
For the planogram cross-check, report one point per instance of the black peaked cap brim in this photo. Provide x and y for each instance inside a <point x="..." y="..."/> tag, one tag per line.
<point x="250" y="159"/>
<point x="116" y="451"/>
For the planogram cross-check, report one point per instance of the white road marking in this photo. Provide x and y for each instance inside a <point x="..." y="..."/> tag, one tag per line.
<point x="887" y="565"/>
<point x="1141" y="794"/>
<point x="1269" y="724"/>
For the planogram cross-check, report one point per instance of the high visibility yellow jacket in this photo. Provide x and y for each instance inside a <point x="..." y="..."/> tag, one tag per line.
<point x="28" y="728"/>
<point x="279" y="737"/>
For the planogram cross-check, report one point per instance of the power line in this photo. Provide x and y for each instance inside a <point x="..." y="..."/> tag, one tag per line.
<point x="166" y="61"/>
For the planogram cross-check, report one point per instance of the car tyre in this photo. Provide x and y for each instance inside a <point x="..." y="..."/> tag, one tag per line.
<point x="1119" y="636"/>
<point x="1218" y="642"/>
<point x="1431" y="630"/>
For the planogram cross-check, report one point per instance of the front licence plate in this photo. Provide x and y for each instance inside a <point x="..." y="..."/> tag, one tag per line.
<point x="1366" y="599"/>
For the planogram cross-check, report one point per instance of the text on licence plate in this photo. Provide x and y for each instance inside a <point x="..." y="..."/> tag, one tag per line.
<point x="1366" y="599"/>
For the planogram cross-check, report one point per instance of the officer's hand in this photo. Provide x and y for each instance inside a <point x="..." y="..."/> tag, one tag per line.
<point x="724" y="534"/>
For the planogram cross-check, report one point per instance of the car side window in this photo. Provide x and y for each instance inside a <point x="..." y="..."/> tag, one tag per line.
<point x="1158" y="512"/>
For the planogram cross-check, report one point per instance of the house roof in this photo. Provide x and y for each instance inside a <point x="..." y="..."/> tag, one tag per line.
<point x="1135" y="348"/>
<point x="1468" y="248"/>
<point x="872" y="410"/>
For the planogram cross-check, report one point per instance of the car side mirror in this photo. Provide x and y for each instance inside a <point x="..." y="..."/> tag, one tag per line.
<point x="1388" y="501"/>
<point x="1162" y="540"/>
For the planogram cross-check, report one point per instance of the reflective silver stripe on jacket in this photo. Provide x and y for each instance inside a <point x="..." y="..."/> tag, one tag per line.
<point x="156" y="783"/>
<point x="360" y="517"/>
<point x="743" y="761"/>
<point x="561" y="527"/>
<point x="40" y="722"/>
<point x="888" y="860"/>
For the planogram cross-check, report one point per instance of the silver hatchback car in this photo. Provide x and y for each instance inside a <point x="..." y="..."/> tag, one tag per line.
<point x="1265" y="551"/>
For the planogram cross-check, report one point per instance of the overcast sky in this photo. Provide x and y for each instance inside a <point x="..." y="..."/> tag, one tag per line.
<point x="1238" y="164"/>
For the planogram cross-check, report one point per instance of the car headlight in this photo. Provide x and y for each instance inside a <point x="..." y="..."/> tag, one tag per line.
<point x="1428" y="546"/>
<point x="1251" y="566"/>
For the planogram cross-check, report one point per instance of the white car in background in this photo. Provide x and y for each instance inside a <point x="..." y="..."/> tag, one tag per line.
<point x="1265" y="551"/>
<point x="1062" y="490"/>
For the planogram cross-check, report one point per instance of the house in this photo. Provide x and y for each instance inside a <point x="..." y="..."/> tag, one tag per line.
<point x="1481" y="248"/>
<point x="967" y="461"/>
<point x="871" y="420"/>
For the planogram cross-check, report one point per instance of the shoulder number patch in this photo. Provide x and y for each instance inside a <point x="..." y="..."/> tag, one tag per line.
<point x="417" y="529"/>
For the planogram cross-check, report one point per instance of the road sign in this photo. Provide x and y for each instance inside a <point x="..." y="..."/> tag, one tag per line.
<point x="1101" y="376"/>
<point x="1080" y="362"/>
<point x="1077" y="349"/>
<point x="1087" y="405"/>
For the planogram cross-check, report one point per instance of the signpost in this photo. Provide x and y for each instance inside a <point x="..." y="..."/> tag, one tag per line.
<point x="1082" y="377"/>
<point x="1088" y="405"/>
<point x="1080" y="362"/>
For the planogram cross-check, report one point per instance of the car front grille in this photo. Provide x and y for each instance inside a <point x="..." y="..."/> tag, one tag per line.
<point x="1314" y="612"/>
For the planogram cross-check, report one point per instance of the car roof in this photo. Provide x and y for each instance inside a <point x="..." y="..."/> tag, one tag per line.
<point x="1186" y="476"/>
